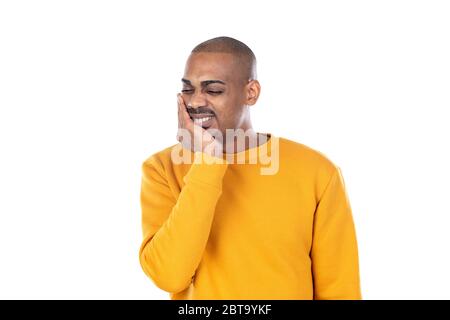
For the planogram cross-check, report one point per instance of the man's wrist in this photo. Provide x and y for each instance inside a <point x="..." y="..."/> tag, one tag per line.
<point x="202" y="157"/>
<point x="207" y="169"/>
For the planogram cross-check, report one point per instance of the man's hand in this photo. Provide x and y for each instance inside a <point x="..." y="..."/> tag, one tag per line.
<point x="192" y="136"/>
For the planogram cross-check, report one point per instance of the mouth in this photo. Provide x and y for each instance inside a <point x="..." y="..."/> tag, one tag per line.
<point x="204" y="121"/>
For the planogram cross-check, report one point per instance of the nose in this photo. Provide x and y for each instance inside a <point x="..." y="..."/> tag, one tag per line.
<point x="197" y="100"/>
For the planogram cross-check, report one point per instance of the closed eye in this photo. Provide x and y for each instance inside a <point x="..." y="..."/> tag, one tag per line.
<point x="213" y="92"/>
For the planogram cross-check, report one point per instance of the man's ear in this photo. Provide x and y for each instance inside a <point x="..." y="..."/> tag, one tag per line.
<point x="253" y="91"/>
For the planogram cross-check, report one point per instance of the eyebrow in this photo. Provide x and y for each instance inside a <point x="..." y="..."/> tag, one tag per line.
<point x="203" y="83"/>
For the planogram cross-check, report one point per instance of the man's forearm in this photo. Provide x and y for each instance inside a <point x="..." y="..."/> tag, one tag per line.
<point x="171" y="256"/>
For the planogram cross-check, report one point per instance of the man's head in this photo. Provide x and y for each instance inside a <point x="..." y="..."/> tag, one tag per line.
<point x="220" y="81"/>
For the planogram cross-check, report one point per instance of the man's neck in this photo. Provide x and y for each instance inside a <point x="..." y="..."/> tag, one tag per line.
<point x="251" y="138"/>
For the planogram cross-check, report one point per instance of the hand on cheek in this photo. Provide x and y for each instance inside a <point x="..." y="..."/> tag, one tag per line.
<point x="192" y="136"/>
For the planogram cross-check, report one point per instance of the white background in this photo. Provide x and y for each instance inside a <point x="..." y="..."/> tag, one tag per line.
<point x="88" y="92"/>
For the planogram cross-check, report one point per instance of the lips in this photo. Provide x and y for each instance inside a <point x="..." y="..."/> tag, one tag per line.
<point x="203" y="120"/>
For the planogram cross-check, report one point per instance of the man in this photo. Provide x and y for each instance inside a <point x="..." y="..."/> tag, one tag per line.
<point x="215" y="224"/>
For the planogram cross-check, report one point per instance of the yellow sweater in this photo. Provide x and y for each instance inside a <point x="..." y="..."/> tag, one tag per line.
<point x="224" y="231"/>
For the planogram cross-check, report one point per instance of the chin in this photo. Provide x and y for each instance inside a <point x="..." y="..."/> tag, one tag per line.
<point x="214" y="129"/>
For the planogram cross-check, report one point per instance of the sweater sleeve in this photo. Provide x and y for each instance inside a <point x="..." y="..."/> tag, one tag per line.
<point x="334" y="251"/>
<point x="176" y="230"/>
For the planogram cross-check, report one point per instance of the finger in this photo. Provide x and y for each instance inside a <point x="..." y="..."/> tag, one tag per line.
<point x="187" y="121"/>
<point x="180" y="119"/>
<point x="180" y="111"/>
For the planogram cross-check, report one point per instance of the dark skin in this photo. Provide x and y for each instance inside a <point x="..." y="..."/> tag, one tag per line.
<point x="214" y="84"/>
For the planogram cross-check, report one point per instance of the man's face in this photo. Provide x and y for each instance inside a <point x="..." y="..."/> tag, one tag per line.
<point x="214" y="91"/>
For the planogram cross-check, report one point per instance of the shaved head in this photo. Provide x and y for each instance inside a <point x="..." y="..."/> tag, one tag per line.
<point x="244" y="57"/>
